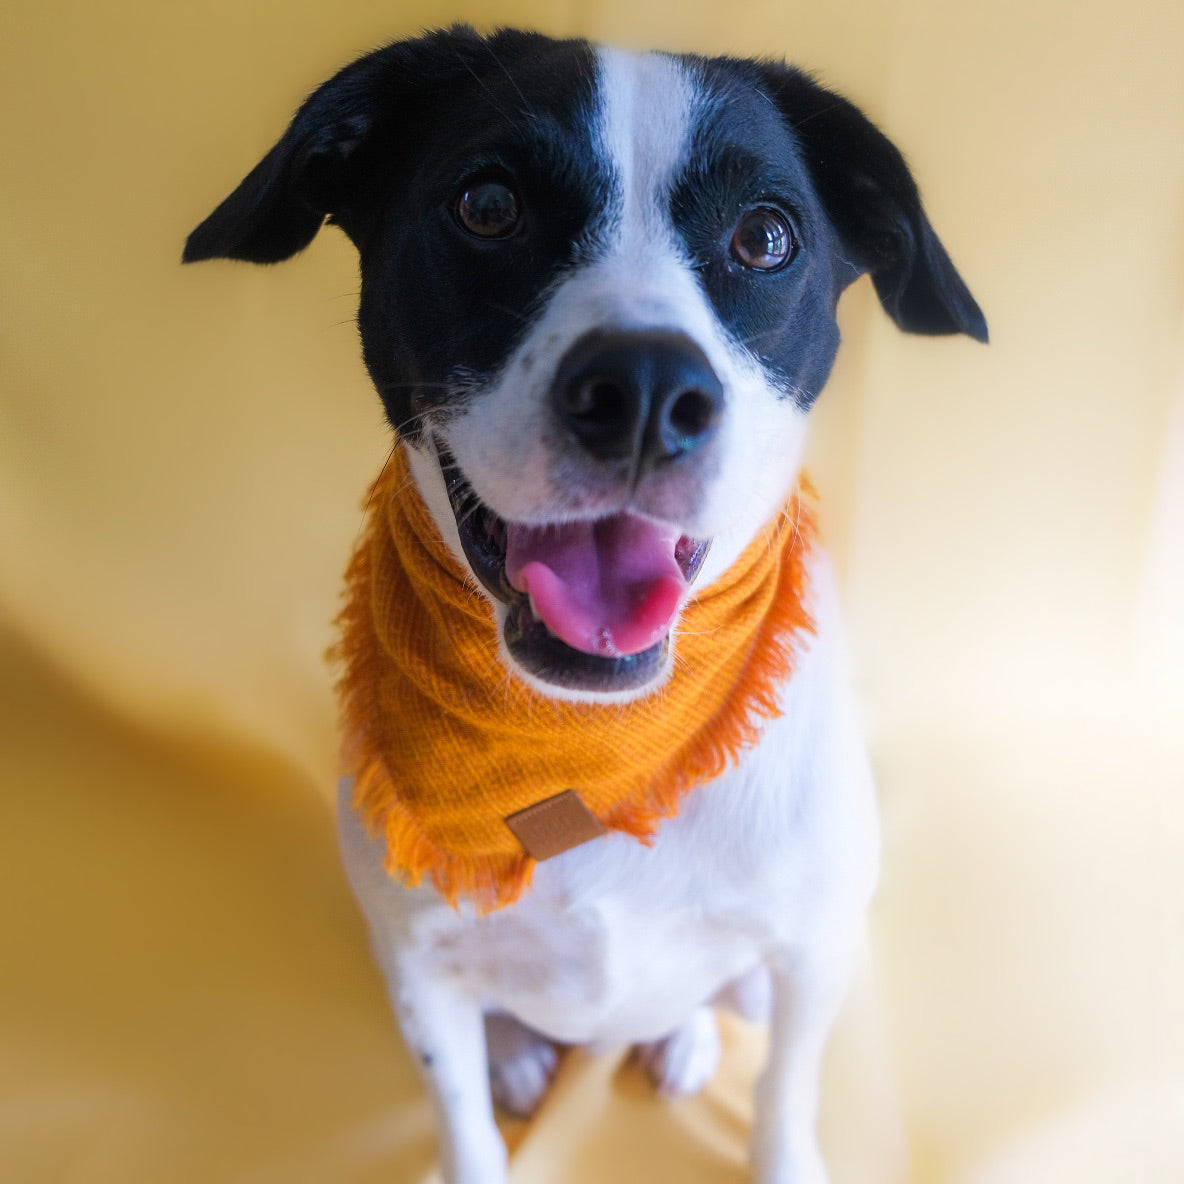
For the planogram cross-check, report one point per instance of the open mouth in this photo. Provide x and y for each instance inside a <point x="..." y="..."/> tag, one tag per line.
<point x="590" y="603"/>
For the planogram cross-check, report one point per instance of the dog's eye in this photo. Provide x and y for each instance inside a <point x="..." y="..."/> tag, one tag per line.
<point x="763" y="239"/>
<point x="488" y="209"/>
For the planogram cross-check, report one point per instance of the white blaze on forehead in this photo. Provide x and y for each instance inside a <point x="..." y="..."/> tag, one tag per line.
<point x="641" y="275"/>
<point x="646" y="115"/>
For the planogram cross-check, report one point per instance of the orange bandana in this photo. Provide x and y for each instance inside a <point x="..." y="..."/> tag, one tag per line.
<point x="445" y="744"/>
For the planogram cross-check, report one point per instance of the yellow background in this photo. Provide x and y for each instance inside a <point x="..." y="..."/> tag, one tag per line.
<point x="185" y="990"/>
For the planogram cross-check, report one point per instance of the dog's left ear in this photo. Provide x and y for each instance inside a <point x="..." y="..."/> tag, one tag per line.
<point x="328" y="161"/>
<point x="873" y="202"/>
<point x="279" y="206"/>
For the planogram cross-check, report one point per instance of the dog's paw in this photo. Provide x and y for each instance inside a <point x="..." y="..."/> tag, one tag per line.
<point x="685" y="1061"/>
<point x="522" y="1065"/>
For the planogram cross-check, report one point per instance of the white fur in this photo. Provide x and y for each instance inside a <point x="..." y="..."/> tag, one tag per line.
<point x="765" y="872"/>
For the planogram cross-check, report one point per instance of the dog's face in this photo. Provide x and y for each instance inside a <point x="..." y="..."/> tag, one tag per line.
<point x="598" y="299"/>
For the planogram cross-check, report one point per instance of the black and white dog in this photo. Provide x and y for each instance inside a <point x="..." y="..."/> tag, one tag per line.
<point x="675" y="231"/>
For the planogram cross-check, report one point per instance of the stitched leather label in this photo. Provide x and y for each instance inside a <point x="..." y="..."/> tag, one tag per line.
<point x="554" y="825"/>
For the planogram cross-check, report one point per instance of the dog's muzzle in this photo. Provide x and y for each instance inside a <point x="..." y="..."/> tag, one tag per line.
<point x="592" y="603"/>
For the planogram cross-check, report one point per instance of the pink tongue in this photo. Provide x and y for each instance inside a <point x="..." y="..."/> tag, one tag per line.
<point x="609" y="587"/>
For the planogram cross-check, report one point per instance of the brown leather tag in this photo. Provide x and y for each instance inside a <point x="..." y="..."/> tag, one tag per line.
<point x="555" y="825"/>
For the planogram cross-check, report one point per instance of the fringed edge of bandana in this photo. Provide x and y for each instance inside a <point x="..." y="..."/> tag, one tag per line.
<point x="755" y="699"/>
<point x="491" y="882"/>
<point x="495" y="881"/>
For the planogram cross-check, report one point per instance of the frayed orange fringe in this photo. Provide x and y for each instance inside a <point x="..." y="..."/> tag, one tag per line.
<point x="409" y="606"/>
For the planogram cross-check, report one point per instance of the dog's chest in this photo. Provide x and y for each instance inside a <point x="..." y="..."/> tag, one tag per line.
<point x="615" y="969"/>
<point x="618" y="943"/>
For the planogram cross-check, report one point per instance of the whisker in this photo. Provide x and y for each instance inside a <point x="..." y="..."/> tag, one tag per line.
<point x="370" y="496"/>
<point x="510" y="78"/>
<point x="815" y="115"/>
<point x="484" y="86"/>
<point x="516" y="313"/>
<point x="398" y="386"/>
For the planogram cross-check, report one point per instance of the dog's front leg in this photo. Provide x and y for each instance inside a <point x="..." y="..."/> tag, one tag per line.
<point x="808" y="990"/>
<point x="444" y="1029"/>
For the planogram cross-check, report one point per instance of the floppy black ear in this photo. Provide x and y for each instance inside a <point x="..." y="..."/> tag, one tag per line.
<point x="319" y="165"/>
<point x="873" y="202"/>
<point x="283" y="201"/>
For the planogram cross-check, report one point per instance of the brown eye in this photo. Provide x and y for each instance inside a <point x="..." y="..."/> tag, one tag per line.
<point x="763" y="239"/>
<point x="488" y="209"/>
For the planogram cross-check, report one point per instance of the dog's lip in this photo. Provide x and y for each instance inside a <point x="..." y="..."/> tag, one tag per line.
<point x="483" y="537"/>
<point x="553" y="661"/>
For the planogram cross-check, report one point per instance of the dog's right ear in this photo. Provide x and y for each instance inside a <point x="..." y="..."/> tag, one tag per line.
<point x="317" y="168"/>
<point x="873" y="202"/>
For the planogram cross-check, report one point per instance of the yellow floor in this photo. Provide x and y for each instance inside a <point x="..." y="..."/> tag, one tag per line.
<point x="186" y="992"/>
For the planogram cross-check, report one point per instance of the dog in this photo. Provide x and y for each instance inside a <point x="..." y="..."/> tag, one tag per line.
<point x="598" y="294"/>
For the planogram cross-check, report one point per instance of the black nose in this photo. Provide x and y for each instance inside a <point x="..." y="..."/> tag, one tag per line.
<point x="642" y="395"/>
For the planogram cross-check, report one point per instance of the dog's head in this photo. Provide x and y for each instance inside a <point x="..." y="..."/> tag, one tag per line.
<point x="598" y="300"/>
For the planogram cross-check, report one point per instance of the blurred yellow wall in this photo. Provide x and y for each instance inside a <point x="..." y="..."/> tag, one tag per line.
<point x="182" y="452"/>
